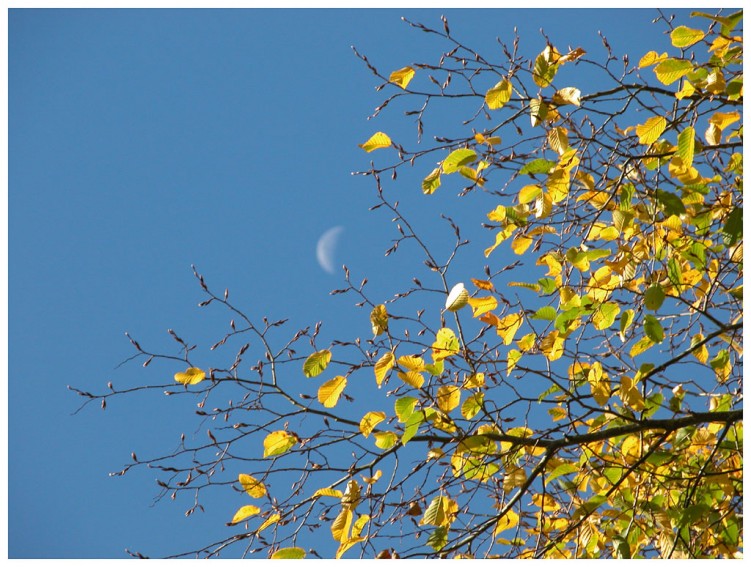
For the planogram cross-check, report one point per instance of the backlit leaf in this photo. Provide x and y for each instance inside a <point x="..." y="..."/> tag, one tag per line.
<point x="340" y="526"/>
<point x="686" y="145"/>
<point x="289" y="553"/>
<point x="382" y="367"/>
<point x="552" y="346"/>
<point x="414" y="379"/>
<point x="441" y="512"/>
<point x="379" y="319"/>
<point x="499" y="95"/>
<point x="508" y="326"/>
<point x="270" y="521"/>
<point x="277" y="443"/>
<point x="375" y="142"/>
<point x="670" y="70"/>
<point x="432" y="181"/>
<point x="334" y="493"/>
<point x="651" y="58"/>
<point x="472" y="405"/>
<point x="701" y="353"/>
<point x="546" y="66"/>
<point x="457" y="297"/>
<point x="404" y="407"/>
<point x="654" y="297"/>
<point x="651" y="130"/>
<point x="627" y="317"/>
<point x="411" y="362"/>
<point x="529" y="193"/>
<point x="567" y="95"/>
<point x="190" y="376"/>
<point x="512" y="358"/>
<point x="402" y="77"/>
<point x="370" y="420"/>
<point x="604" y="316"/>
<point x="538" y="111"/>
<point x="481" y="305"/>
<point x="653" y="329"/>
<point x="329" y="392"/>
<point x="316" y="363"/>
<point x="508" y="521"/>
<point x="458" y="158"/>
<point x="446" y="344"/>
<point x="642" y="345"/>
<point x="385" y="439"/>
<point x="254" y="488"/>
<point x="448" y="398"/>
<point x="683" y="36"/>
<point x="558" y="139"/>
<point x="244" y="513"/>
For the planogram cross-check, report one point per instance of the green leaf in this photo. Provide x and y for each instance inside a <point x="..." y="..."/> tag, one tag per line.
<point x="683" y="36"/>
<point x="289" y="553"/>
<point x="385" y="439"/>
<point x="458" y="158"/>
<point x="653" y="297"/>
<point x="316" y="363"/>
<point x="671" y="70"/>
<point x="560" y="470"/>
<point x="686" y="146"/>
<point x="627" y="317"/>
<point x="440" y="512"/>
<point x="545" y="68"/>
<point x="653" y="329"/>
<point x="547" y="285"/>
<point x="675" y="274"/>
<point x="439" y="538"/>
<point x="547" y="313"/>
<point x="435" y="369"/>
<point x="733" y="229"/>
<point x="671" y="202"/>
<point x="537" y="166"/>
<point x="604" y="316"/>
<point x="432" y="181"/>
<point x="404" y="408"/>
<point x="412" y="425"/>
<point x="472" y="405"/>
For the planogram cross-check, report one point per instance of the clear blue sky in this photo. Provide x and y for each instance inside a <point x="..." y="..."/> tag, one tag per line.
<point x="142" y="142"/>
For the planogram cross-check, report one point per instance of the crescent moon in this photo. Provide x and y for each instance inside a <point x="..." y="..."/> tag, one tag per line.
<point x="327" y="246"/>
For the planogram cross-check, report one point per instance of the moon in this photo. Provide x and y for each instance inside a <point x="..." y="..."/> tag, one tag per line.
<point x="326" y="248"/>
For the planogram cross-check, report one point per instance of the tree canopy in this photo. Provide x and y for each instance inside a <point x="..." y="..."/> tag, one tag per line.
<point x="583" y="399"/>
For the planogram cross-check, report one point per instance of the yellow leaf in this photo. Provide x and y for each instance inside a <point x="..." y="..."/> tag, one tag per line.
<point x="190" y="376"/>
<point x="512" y="358"/>
<point x="384" y="439"/>
<point x="500" y="236"/>
<point x="334" y="493"/>
<point x="481" y="305"/>
<point x="432" y="181"/>
<point x="382" y="367"/>
<point x="376" y="141"/>
<point x="271" y="520"/>
<point x="359" y="525"/>
<point x="277" y="443"/>
<point x="652" y="58"/>
<point x="345" y="545"/>
<point x="370" y="420"/>
<point x="598" y="382"/>
<point x="340" y="526"/>
<point x="474" y="381"/>
<point x="509" y="520"/>
<point x="351" y="496"/>
<point x="520" y="243"/>
<point x="558" y="139"/>
<point x="701" y="353"/>
<point x="448" y="398"/>
<point x="683" y="36"/>
<point x="545" y="501"/>
<point x="402" y="77"/>
<point x="379" y="319"/>
<point x="567" y="95"/>
<point x="441" y="512"/>
<point x="316" y="363"/>
<point x="446" y="344"/>
<point x="529" y="193"/>
<point x="499" y="95"/>
<point x="244" y="513"/>
<point x="552" y="346"/>
<point x="687" y="89"/>
<point x="411" y="362"/>
<point x="472" y="405"/>
<point x="630" y="394"/>
<point x="498" y="214"/>
<point x="289" y="553"/>
<point x="329" y="392"/>
<point x="372" y="479"/>
<point x="254" y="488"/>
<point x="641" y="346"/>
<point x="414" y="379"/>
<point x="651" y="130"/>
<point x="724" y="119"/>
<point x="508" y="326"/>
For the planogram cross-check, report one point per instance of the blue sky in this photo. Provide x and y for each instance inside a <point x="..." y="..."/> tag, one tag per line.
<point x="141" y="142"/>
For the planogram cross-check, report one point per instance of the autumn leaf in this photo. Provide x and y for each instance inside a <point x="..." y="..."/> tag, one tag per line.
<point x="382" y="367"/>
<point x="375" y="142"/>
<point x="329" y="392"/>
<point x="278" y="443"/>
<point x="499" y="95"/>
<point x="402" y="77"/>
<point x="254" y="488"/>
<point x="379" y="319"/>
<point x="244" y="513"/>
<point x="370" y="420"/>
<point x="316" y="363"/>
<point x="191" y="376"/>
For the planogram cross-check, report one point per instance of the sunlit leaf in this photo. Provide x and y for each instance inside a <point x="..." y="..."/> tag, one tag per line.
<point x="701" y="353"/>
<point x="651" y="58"/>
<point x="670" y="70"/>
<point x="254" y="488"/>
<point x="334" y="493"/>
<point x="270" y="521"/>
<point x="382" y="367"/>
<point x="379" y="319"/>
<point x="432" y="181"/>
<point x="414" y="379"/>
<point x="686" y="145"/>
<point x="190" y="376"/>
<point x="472" y="405"/>
<point x="604" y="316"/>
<point x="529" y="193"/>
<point x="508" y="326"/>
<point x="385" y="439"/>
<point x="458" y="158"/>
<point x="567" y="95"/>
<point x="438" y="538"/>
<point x="289" y="553"/>
<point x="546" y="66"/>
<point x="538" y="111"/>
<point x="499" y="95"/>
<point x="446" y="344"/>
<point x="440" y="512"/>
<point x="370" y="420"/>
<point x="277" y="443"/>
<point x="508" y="521"/>
<point x="375" y="142"/>
<point x="448" y="398"/>
<point x="244" y="513"/>
<point x="329" y="392"/>
<point x="651" y="130"/>
<point x="340" y="526"/>
<point x="683" y="36"/>
<point x="552" y="346"/>
<point x="316" y="363"/>
<point x="457" y="297"/>
<point x="402" y="77"/>
<point x="513" y="357"/>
